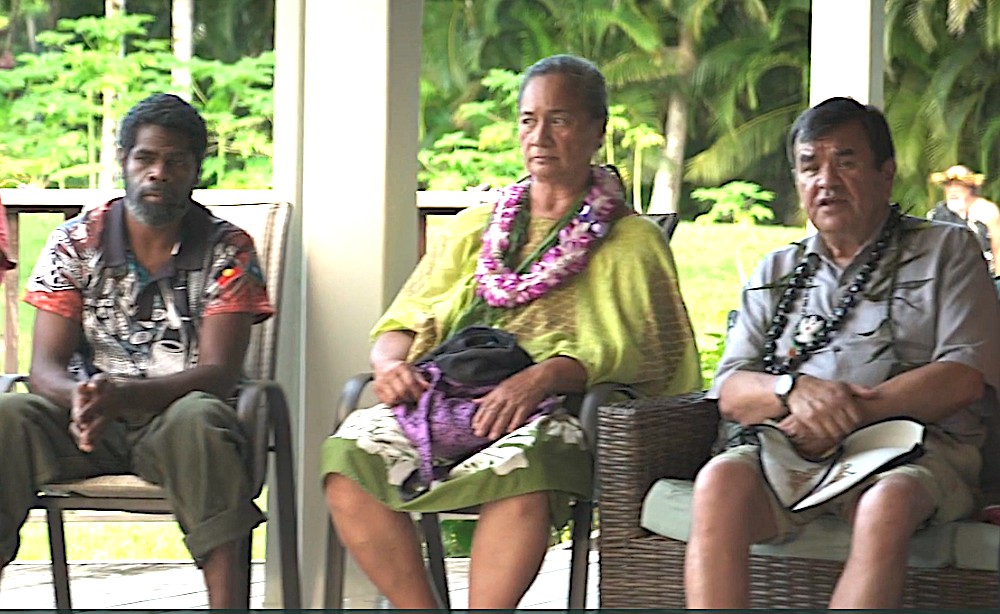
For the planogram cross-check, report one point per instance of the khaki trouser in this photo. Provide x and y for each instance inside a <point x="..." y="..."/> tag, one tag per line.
<point x="195" y="450"/>
<point x="949" y="470"/>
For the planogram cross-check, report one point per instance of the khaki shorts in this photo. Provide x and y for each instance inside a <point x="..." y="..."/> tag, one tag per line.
<point x="948" y="469"/>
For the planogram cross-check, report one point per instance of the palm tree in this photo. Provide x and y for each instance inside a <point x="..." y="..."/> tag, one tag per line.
<point x="943" y="91"/>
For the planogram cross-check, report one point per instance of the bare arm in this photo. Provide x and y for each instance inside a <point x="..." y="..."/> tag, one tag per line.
<point x="748" y="397"/>
<point x="823" y="412"/>
<point x="54" y="339"/>
<point x="222" y="345"/>
<point x="988" y="213"/>
<point x="929" y="393"/>
<point x="509" y="405"/>
<point x="396" y="381"/>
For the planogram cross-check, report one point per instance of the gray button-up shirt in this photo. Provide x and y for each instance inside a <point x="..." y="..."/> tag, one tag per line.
<point x="930" y="299"/>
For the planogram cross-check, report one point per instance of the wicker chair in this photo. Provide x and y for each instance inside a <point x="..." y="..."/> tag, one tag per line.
<point x="262" y="410"/>
<point x="640" y="442"/>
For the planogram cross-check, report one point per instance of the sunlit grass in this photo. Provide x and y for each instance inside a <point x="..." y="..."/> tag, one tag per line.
<point x="713" y="261"/>
<point x="157" y="539"/>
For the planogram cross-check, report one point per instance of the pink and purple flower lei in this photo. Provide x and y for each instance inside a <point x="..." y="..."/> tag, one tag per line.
<point x="499" y="286"/>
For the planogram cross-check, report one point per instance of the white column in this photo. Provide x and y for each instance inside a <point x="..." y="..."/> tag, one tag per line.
<point x="357" y="165"/>
<point x="289" y="74"/>
<point x="846" y="50"/>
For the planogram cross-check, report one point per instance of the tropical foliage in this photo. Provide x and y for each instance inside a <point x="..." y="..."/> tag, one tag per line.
<point x="56" y="94"/>
<point x="721" y="81"/>
<point x="739" y="202"/>
<point x="703" y="90"/>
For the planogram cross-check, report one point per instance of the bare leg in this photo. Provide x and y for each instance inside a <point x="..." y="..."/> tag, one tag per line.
<point x="220" y="571"/>
<point x="885" y="519"/>
<point x="511" y="538"/>
<point x="730" y="512"/>
<point x="383" y="542"/>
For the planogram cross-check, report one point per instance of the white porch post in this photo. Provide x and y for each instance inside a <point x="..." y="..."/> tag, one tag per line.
<point x="346" y="142"/>
<point x="846" y="51"/>
<point x="289" y="43"/>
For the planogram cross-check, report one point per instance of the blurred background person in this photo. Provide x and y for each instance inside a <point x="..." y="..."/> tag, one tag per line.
<point x="962" y="204"/>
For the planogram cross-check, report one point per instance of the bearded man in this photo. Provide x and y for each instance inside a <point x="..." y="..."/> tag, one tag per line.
<point x="144" y="308"/>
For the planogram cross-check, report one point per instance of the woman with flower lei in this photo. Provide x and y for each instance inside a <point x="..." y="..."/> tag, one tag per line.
<point x="590" y="294"/>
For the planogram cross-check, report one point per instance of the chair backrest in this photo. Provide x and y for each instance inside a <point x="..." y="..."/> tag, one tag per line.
<point x="666" y="221"/>
<point x="267" y="224"/>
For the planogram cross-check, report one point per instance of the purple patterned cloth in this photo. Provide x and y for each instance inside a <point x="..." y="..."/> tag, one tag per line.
<point x="439" y="425"/>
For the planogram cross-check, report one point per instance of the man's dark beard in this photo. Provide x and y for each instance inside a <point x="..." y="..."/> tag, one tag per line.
<point x="155" y="214"/>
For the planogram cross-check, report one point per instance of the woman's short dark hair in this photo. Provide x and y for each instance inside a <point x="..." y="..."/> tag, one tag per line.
<point x="821" y="119"/>
<point x="167" y="111"/>
<point x="584" y="73"/>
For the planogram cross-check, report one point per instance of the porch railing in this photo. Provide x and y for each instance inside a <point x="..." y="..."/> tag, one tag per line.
<point x="69" y="203"/>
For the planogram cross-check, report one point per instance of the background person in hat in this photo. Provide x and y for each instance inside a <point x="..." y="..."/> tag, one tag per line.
<point x="964" y="205"/>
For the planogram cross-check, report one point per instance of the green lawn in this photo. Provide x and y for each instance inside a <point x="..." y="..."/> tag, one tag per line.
<point x="713" y="261"/>
<point x="35" y="228"/>
<point x="159" y="539"/>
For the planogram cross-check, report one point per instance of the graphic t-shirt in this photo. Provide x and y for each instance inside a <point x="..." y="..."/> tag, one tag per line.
<point x="136" y="322"/>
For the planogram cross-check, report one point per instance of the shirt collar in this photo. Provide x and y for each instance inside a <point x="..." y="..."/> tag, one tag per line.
<point x="196" y="230"/>
<point x="814" y="244"/>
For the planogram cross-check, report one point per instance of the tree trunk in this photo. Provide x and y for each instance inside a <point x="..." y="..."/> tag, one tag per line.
<point x="7" y="52"/>
<point x="31" y="29"/>
<point x="670" y="172"/>
<point x="106" y="179"/>
<point x="8" y="43"/>
<point x="182" y="35"/>
<point x="669" y="176"/>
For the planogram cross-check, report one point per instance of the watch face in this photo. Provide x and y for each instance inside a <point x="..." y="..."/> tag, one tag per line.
<point x="783" y="385"/>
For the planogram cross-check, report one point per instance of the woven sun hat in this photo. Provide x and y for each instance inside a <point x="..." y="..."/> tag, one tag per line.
<point x="959" y="174"/>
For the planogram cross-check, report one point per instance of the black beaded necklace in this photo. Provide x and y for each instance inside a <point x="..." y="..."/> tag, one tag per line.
<point x="813" y="331"/>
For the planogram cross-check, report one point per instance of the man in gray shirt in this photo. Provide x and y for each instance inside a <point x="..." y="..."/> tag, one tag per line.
<point x="877" y="315"/>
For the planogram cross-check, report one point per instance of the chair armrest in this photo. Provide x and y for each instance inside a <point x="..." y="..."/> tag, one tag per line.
<point x="641" y="441"/>
<point x="597" y="396"/>
<point x="351" y="395"/>
<point x="262" y="410"/>
<point x="9" y="380"/>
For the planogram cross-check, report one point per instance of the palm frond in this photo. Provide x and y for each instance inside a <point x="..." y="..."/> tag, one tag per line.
<point x="958" y="14"/>
<point x="737" y="150"/>
<point x="920" y="19"/>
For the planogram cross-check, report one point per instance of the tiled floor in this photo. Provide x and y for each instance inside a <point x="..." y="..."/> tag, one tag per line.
<point x="167" y="586"/>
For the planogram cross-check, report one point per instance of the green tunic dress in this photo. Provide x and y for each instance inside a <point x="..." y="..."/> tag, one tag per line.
<point x="622" y="318"/>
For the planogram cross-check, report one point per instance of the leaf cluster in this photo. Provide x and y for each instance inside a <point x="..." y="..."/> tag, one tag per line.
<point x="741" y="69"/>
<point x="52" y="103"/>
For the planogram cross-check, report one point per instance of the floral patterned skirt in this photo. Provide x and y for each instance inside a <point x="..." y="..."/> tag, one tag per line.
<point x="548" y="454"/>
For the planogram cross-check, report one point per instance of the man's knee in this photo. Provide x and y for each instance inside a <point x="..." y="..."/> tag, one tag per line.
<point x="193" y="427"/>
<point x="899" y="501"/>
<point x="195" y="412"/>
<point x="729" y="479"/>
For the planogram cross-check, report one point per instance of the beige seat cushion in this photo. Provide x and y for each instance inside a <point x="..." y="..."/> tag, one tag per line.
<point x="666" y="511"/>
<point x="107" y="486"/>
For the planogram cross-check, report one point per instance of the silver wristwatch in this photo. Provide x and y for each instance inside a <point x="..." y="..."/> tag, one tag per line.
<point x="783" y="387"/>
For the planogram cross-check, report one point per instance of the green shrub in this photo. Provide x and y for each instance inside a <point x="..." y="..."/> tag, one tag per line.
<point x="738" y="202"/>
